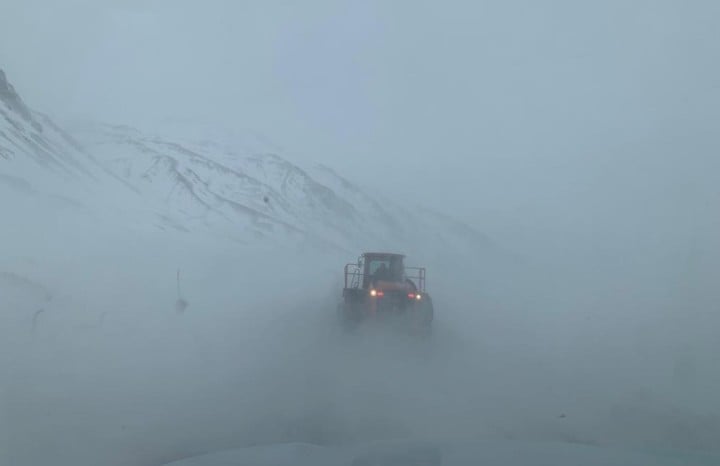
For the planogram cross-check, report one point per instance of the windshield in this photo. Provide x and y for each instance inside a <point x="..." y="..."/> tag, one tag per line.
<point x="375" y="265"/>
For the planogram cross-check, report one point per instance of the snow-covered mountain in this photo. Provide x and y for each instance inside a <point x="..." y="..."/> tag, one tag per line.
<point x="199" y="181"/>
<point x="36" y="152"/>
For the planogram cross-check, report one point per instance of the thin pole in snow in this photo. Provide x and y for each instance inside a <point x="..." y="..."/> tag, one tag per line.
<point x="180" y="304"/>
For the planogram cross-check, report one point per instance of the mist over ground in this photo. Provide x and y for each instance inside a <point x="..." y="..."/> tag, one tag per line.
<point x="572" y="349"/>
<point x="578" y="144"/>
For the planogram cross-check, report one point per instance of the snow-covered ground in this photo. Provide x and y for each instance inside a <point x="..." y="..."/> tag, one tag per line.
<point x="97" y="366"/>
<point x="448" y="453"/>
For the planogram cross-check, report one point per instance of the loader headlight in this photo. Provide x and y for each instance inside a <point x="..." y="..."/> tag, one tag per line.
<point x="377" y="293"/>
<point x="418" y="296"/>
<point x="373" y="292"/>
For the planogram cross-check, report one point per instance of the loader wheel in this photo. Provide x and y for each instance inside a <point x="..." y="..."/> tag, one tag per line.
<point x="426" y="310"/>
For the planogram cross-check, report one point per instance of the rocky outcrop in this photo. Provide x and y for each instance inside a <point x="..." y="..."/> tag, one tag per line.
<point x="14" y="103"/>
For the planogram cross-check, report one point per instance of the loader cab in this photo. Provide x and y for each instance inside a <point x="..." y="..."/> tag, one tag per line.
<point x="385" y="266"/>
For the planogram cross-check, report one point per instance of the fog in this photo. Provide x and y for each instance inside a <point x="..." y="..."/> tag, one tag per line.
<point x="582" y="139"/>
<point x="531" y="111"/>
<point x="618" y="352"/>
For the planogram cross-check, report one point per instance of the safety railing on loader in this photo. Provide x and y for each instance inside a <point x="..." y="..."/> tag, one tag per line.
<point x="355" y="278"/>
<point x="419" y="275"/>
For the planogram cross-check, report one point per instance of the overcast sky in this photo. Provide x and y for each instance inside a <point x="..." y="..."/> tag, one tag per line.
<point x="509" y="114"/>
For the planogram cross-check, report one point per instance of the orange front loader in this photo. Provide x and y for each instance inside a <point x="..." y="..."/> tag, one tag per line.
<point x="378" y="287"/>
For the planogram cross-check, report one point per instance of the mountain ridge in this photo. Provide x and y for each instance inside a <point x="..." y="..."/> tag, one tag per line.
<point x="243" y="191"/>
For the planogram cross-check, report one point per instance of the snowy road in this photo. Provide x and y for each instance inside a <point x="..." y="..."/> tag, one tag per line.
<point x="485" y="453"/>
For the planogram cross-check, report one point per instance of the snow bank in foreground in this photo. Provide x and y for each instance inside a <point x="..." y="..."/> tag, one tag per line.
<point x="495" y="453"/>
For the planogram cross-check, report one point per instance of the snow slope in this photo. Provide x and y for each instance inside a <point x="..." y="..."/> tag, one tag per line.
<point x="42" y="163"/>
<point x="35" y="151"/>
<point x="193" y="178"/>
<point x="249" y="191"/>
<point x="231" y="187"/>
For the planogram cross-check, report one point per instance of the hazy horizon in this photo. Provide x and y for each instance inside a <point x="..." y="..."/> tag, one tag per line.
<point x="581" y="138"/>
